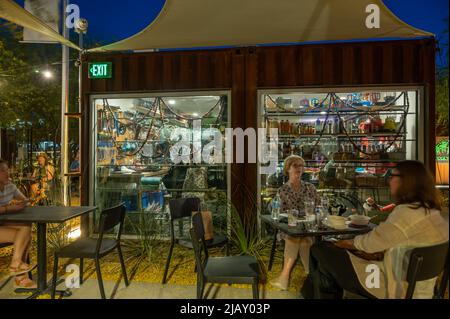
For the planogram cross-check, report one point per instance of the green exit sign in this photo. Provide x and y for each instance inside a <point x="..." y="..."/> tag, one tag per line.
<point x="100" y="70"/>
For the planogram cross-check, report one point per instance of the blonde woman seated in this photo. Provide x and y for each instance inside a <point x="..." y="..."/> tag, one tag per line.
<point x="293" y="195"/>
<point x="44" y="173"/>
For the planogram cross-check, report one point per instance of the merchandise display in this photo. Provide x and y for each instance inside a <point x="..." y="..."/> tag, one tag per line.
<point x="147" y="152"/>
<point x="349" y="140"/>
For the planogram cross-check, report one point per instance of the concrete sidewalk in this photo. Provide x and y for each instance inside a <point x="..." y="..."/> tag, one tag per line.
<point x="140" y="290"/>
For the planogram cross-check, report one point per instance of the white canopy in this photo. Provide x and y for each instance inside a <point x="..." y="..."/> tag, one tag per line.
<point x="213" y="23"/>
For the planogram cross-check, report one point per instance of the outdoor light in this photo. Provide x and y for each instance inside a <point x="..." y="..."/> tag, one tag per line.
<point x="172" y="102"/>
<point x="74" y="233"/>
<point x="47" y="74"/>
<point x="81" y="26"/>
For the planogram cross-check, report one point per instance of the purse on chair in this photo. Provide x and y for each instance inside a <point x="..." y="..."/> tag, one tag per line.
<point x="207" y="224"/>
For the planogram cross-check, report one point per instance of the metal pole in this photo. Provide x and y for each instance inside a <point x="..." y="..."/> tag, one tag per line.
<point x="64" y="107"/>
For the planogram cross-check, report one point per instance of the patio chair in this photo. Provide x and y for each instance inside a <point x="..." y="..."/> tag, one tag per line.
<point x="181" y="208"/>
<point x="424" y="263"/>
<point x="96" y="248"/>
<point x="226" y="270"/>
<point x="8" y="278"/>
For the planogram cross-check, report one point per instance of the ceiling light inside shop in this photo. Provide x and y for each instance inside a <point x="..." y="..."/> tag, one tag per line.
<point x="172" y="102"/>
<point x="195" y="114"/>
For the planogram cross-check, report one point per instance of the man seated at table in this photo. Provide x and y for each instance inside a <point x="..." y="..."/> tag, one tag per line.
<point x="11" y="201"/>
<point x="293" y="195"/>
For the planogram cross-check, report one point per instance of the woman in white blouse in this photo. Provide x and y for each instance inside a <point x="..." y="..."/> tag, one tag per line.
<point x="415" y="222"/>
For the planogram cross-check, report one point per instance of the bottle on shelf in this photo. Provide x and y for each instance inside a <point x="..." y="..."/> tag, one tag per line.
<point x="329" y="127"/>
<point x="349" y="126"/>
<point x="355" y="128"/>
<point x="318" y="126"/>
<point x="336" y="125"/>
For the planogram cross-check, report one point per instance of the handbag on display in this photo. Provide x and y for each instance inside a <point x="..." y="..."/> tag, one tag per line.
<point x="207" y="224"/>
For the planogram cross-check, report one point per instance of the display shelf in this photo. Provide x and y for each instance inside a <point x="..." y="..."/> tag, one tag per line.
<point x="344" y="113"/>
<point x="161" y="165"/>
<point x="359" y="135"/>
<point x="331" y="188"/>
<point x="379" y="136"/>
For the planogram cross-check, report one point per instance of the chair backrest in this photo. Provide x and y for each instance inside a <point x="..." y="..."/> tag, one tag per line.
<point x="183" y="207"/>
<point x="426" y="263"/>
<point x="109" y="219"/>
<point x="198" y="242"/>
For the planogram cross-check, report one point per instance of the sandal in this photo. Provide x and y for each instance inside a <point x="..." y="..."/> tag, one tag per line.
<point x="24" y="283"/>
<point x="19" y="270"/>
<point x="280" y="283"/>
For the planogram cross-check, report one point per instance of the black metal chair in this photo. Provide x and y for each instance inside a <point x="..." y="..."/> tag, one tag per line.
<point x="8" y="278"/>
<point x="426" y="263"/>
<point x="96" y="248"/>
<point x="182" y="208"/>
<point x="228" y="270"/>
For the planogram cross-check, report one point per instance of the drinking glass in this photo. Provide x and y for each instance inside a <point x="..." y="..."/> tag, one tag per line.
<point x="321" y="215"/>
<point x="292" y="217"/>
<point x="335" y="211"/>
<point x="309" y="207"/>
<point x="311" y="223"/>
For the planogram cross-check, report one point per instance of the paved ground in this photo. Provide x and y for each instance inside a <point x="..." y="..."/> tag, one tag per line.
<point x="139" y="290"/>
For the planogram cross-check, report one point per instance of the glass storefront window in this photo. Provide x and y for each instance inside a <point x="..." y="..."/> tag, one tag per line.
<point x="149" y="149"/>
<point x="349" y="139"/>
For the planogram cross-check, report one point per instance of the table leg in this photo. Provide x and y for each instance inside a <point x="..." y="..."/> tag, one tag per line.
<point x="42" y="285"/>
<point x="274" y="246"/>
<point x="42" y="256"/>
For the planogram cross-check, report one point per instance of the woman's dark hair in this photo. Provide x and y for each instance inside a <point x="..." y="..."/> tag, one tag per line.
<point x="417" y="186"/>
<point x="3" y="162"/>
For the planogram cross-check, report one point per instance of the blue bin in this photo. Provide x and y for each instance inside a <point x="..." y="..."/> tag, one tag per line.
<point x="149" y="198"/>
<point x="131" y="201"/>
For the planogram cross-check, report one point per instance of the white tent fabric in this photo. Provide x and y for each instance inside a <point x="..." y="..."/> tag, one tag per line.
<point x="11" y="11"/>
<point x="212" y="23"/>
